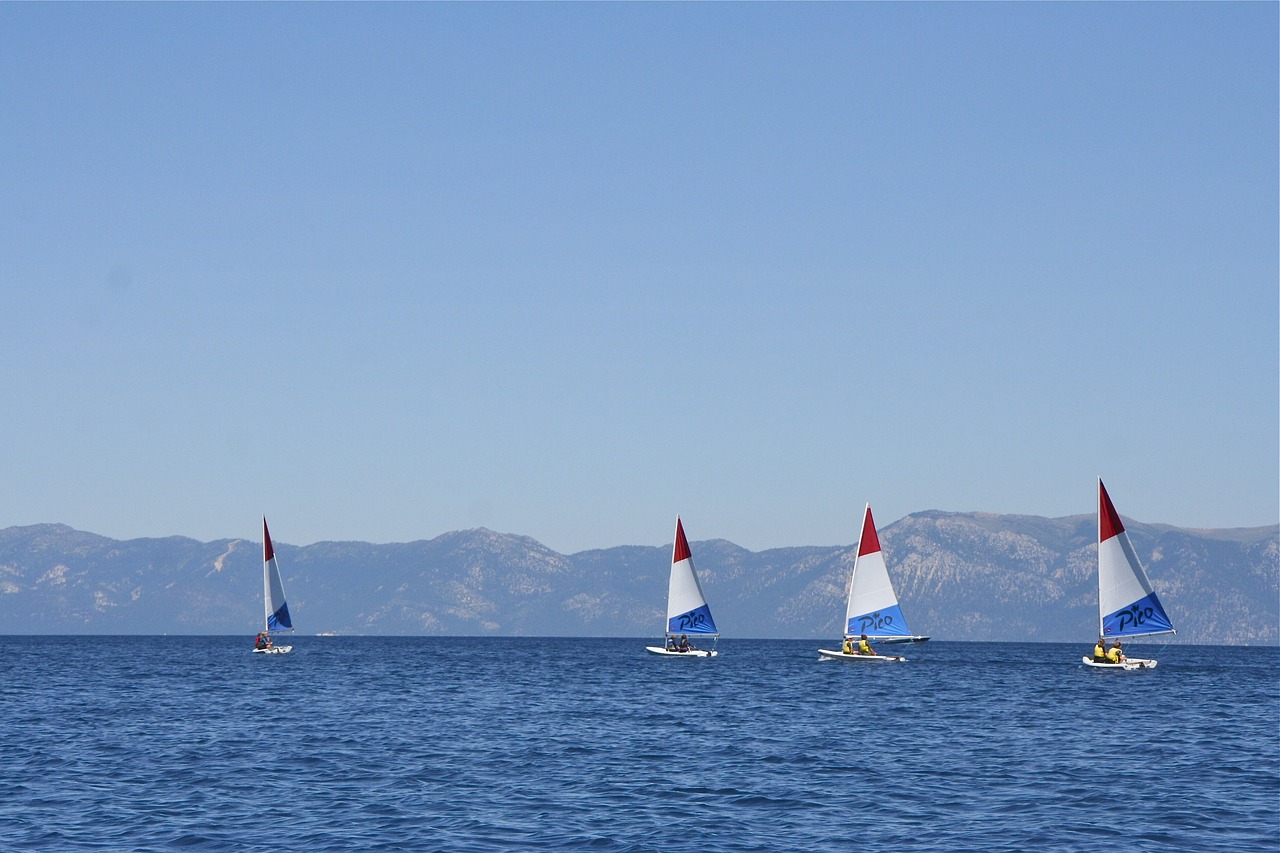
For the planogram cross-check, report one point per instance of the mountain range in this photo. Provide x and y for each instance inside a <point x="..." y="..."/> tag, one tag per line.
<point x="960" y="576"/>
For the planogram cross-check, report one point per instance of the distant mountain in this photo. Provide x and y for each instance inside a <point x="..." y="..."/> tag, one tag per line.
<point x="961" y="576"/>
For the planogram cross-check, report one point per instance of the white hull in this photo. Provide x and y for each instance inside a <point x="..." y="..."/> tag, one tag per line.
<point x="692" y="653"/>
<point x="1129" y="663"/>
<point x="274" y="650"/>
<point x="828" y="654"/>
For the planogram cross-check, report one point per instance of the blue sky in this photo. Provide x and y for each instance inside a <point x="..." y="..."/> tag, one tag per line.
<point x="567" y="270"/>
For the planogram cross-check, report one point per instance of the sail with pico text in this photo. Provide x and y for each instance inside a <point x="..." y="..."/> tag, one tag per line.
<point x="1127" y="605"/>
<point x="873" y="607"/>
<point x="277" y="609"/>
<point x="687" y="610"/>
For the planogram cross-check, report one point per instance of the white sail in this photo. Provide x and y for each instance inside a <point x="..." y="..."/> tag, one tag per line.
<point x="687" y="609"/>
<point x="873" y="605"/>
<point x="277" y="609"/>
<point x="1127" y="604"/>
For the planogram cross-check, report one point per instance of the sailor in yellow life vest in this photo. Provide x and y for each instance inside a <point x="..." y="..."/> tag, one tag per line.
<point x="847" y="648"/>
<point x="864" y="647"/>
<point x="1100" y="651"/>
<point x="1115" y="654"/>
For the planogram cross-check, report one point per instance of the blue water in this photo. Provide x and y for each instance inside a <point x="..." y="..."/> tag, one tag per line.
<point x="194" y="743"/>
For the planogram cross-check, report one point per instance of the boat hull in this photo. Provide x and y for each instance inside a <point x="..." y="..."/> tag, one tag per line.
<point x="1129" y="664"/>
<point x="692" y="653"/>
<point x="829" y="654"/>
<point x="274" y="650"/>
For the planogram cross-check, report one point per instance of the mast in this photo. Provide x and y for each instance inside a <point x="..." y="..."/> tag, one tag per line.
<point x="268" y="554"/>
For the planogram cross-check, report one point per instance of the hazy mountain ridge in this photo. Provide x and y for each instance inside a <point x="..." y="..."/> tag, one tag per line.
<point x="962" y="576"/>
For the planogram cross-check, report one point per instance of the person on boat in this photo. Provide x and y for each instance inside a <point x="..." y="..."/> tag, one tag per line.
<point x="1116" y="653"/>
<point x="671" y="643"/>
<point x="684" y="646"/>
<point x="864" y="646"/>
<point x="260" y="642"/>
<point x="1100" y="651"/>
<point x="848" y="647"/>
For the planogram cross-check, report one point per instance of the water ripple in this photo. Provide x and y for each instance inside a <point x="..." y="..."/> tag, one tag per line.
<point x="438" y="744"/>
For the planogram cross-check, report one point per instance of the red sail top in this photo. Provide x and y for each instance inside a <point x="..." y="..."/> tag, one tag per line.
<point x="681" y="550"/>
<point x="268" y="553"/>
<point x="1108" y="519"/>
<point x="870" y="542"/>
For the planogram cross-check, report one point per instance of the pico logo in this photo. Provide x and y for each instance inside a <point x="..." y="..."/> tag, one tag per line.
<point x="875" y="622"/>
<point x="1134" y="616"/>
<point x="690" y="621"/>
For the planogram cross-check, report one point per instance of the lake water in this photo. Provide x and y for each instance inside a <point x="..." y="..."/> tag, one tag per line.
<point x="427" y="743"/>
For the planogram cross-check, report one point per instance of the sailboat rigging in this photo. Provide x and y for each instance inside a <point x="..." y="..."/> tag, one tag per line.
<point x="1127" y="604"/>
<point x="872" y="612"/>
<point x="687" y="608"/>
<point x="277" y="617"/>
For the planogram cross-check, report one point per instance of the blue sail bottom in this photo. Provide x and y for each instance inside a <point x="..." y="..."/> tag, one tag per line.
<point x="279" y="620"/>
<point x="1144" y="616"/>
<point x="888" y="622"/>
<point x="696" y="621"/>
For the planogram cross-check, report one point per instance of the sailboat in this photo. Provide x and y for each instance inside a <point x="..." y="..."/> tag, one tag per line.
<point x="687" y="610"/>
<point x="277" y="609"/>
<point x="872" y="611"/>
<point x="1127" y="605"/>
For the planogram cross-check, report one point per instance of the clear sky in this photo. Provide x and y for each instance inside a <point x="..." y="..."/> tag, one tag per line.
<point x="566" y="270"/>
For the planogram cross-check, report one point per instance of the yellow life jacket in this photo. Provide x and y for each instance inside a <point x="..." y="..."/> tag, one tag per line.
<point x="1099" y="652"/>
<point x="864" y="648"/>
<point x="1113" y="655"/>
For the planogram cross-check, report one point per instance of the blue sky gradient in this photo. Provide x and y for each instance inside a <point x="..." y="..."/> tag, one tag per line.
<point x="567" y="270"/>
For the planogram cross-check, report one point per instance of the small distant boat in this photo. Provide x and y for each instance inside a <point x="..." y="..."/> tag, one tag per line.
<point x="872" y="611"/>
<point x="277" y="609"/>
<point x="687" y="610"/>
<point x="1127" y="604"/>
